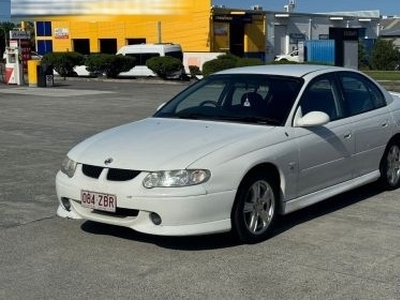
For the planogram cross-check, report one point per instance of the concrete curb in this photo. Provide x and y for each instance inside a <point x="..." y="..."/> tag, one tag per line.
<point x="147" y="80"/>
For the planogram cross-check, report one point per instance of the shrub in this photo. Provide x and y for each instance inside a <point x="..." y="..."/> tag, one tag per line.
<point x="109" y="64"/>
<point x="227" y="61"/>
<point x="244" y="62"/>
<point x="229" y="56"/>
<point x="165" y="66"/>
<point x="63" y="62"/>
<point x="283" y="62"/>
<point x="194" y="71"/>
<point x="385" y="56"/>
<point x="222" y="62"/>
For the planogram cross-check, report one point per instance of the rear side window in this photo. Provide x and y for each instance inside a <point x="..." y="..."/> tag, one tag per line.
<point x="360" y="94"/>
<point x="141" y="58"/>
<point x="175" y="54"/>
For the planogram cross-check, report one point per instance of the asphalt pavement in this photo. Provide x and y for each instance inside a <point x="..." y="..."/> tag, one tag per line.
<point x="347" y="247"/>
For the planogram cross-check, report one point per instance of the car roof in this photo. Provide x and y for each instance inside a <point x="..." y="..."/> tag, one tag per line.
<point x="294" y="70"/>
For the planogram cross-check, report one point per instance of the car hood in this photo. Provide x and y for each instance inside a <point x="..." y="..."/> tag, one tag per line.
<point x="161" y="144"/>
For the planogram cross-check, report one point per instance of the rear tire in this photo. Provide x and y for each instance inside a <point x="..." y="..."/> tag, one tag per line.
<point x="390" y="166"/>
<point x="255" y="209"/>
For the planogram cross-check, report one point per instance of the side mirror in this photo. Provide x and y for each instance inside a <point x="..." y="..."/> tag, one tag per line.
<point x="161" y="106"/>
<point x="313" y="118"/>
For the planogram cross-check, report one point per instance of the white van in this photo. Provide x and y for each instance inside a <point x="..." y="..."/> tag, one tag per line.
<point x="143" y="52"/>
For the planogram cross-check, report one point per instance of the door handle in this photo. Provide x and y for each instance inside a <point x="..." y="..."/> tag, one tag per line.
<point x="348" y="135"/>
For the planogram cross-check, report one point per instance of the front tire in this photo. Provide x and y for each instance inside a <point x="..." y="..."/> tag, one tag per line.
<point x="390" y="166"/>
<point x="255" y="209"/>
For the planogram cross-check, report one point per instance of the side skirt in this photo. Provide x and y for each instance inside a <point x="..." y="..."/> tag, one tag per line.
<point x="307" y="200"/>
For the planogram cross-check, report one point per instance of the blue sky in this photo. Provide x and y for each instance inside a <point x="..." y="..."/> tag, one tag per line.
<point x="386" y="7"/>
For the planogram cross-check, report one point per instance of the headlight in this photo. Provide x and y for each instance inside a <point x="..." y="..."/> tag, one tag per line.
<point x="175" y="178"/>
<point x="68" y="167"/>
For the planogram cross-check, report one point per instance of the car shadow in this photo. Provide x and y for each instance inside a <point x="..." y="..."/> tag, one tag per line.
<point x="326" y="207"/>
<point x="189" y="243"/>
<point x="227" y="240"/>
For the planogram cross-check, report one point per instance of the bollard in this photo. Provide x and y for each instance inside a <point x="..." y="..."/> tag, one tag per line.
<point x="33" y="72"/>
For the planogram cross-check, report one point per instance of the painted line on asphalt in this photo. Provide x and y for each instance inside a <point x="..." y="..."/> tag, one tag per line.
<point x="51" y="92"/>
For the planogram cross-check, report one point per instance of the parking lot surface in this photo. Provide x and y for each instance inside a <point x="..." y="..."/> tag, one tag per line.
<point x="347" y="247"/>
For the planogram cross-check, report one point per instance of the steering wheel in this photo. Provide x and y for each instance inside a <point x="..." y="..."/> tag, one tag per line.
<point x="209" y="102"/>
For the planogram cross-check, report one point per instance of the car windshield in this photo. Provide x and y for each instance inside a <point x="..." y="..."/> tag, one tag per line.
<point x="247" y="98"/>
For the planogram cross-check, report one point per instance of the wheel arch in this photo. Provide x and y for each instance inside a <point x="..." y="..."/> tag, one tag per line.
<point x="385" y="166"/>
<point x="393" y="139"/>
<point x="240" y="227"/>
<point x="272" y="172"/>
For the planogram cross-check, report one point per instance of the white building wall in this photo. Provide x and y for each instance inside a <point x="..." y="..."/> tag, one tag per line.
<point x="310" y="27"/>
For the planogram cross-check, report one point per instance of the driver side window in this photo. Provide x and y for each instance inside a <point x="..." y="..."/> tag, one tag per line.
<point x="209" y="94"/>
<point x="321" y="96"/>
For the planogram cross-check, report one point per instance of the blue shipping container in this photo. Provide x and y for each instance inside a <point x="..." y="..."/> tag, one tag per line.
<point x="320" y="51"/>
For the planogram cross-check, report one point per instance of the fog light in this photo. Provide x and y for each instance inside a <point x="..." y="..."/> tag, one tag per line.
<point x="65" y="202"/>
<point x="155" y="218"/>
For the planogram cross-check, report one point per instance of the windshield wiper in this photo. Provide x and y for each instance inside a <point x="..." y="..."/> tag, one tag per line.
<point x="225" y="117"/>
<point x="253" y="119"/>
<point x="194" y="115"/>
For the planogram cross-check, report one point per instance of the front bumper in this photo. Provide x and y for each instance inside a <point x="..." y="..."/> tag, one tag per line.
<point x="183" y="211"/>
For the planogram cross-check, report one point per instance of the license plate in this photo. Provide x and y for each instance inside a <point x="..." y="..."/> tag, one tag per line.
<point x="99" y="201"/>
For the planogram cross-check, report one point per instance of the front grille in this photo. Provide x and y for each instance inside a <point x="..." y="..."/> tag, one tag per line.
<point x="120" y="212"/>
<point x="112" y="174"/>
<point x="92" y="171"/>
<point x="121" y="174"/>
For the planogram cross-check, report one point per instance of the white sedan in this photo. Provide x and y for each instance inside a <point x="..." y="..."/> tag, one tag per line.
<point x="292" y="56"/>
<point x="235" y="150"/>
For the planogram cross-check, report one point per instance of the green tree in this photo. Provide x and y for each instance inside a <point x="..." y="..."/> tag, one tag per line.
<point x="363" y="57"/>
<point x="5" y="28"/>
<point x="385" y="56"/>
<point x="30" y="27"/>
